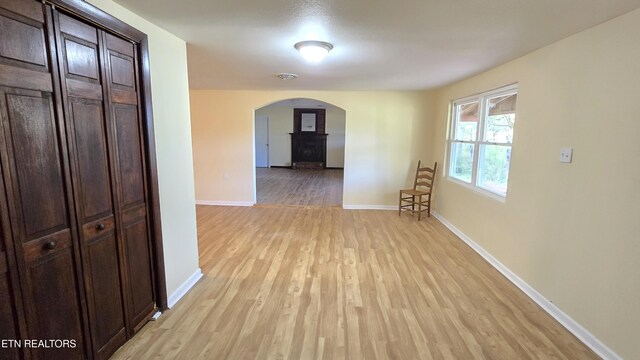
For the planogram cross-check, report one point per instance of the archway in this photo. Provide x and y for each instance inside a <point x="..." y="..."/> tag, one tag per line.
<point x="299" y="164"/>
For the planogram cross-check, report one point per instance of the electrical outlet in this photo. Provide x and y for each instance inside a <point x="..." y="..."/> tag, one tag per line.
<point x="566" y="154"/>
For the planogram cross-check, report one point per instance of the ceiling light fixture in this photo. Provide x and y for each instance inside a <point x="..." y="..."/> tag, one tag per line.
<point x="313" y="51"/>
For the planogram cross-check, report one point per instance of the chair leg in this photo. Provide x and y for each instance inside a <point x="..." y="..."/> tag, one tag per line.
<point x="429" y="204"/>
<point x="399" y="203"/>
<point x="419" y="207"/>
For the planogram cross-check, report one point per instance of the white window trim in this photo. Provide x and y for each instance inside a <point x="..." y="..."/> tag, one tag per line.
<point x="480" y="98"/>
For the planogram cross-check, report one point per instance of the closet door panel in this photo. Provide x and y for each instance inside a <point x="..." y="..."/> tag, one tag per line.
<point x="39" y="209"/>
<point x="29" y="124"/>
<point x="37" y="188"/>
<point x="122" y="70"/>
<point x="139" y="270"/>
<point x="16" y="48"/>
<point x="39" y="175"/>
<point x="108" y="330"/>
<point x="123" y="91"/>
<point x="81" y="59"/>
<point x="98" y="229"/>
<point x="53" y="312"/>
<point x="27" y="9"/>
<point x="129" y="154"/>
<point x="89" y="150"/>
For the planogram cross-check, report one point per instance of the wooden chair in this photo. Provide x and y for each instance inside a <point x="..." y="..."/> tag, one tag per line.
<point x="418" y="199"/>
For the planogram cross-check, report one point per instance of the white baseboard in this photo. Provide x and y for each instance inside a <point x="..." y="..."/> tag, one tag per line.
<point x="247" y="203"/>
<point x="370" y="207"/>
<point x="184" y="288"/>
<point x="224" y="203"/>
<point x="565" y="320"/>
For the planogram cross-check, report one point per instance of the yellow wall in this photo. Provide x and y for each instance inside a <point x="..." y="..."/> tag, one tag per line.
<point x="385" y="135"/>
<point x="170" y="90"/>
<point x="572" y="231"/>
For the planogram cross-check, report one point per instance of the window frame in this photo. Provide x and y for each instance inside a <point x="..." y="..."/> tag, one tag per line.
<point x="479" y="141"/>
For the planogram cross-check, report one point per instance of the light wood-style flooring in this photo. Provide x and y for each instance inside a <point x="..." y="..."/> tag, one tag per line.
<point x="299" y="187"/>
<point x="327" y="283"/>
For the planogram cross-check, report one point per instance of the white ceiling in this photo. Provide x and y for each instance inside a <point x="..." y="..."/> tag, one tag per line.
<point x="378" y="44"/>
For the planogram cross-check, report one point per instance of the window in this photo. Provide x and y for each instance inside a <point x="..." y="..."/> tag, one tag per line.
<point x="481" y="137"/>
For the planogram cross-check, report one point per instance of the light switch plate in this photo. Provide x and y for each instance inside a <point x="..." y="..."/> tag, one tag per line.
<point x="566" y="154"/>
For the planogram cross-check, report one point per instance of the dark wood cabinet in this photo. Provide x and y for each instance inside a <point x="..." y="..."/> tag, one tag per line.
<point x="308" y="139"/>
<point x="80" y="253"/>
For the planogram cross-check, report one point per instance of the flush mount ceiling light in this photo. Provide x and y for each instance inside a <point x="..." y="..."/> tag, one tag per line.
<point x="313" y="51"/>
<point x="287" y="76"/>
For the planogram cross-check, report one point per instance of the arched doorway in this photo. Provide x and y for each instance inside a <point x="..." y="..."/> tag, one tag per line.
<point x="283" y="175"/>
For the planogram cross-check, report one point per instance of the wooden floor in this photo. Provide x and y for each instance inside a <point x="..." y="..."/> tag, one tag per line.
<point x="326" y="283"/>
<point x="299" y="187"/>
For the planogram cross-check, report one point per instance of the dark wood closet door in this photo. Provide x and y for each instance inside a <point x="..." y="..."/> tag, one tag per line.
<point x="123" y="90"/>
<point x="33" y="155"/>
<point x="10" y="305"/>
<point x="80" y="49"/>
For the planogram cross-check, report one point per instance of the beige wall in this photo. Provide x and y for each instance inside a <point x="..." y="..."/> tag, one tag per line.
<point x="572" y="231"/>
<point x="281" y="125"/>
<point x="384" y="136"/>
<point x="170" y="90"/>
<point x="335" y="127"/>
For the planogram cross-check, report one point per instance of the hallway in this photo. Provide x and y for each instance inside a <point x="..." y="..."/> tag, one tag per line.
<point x="277" y="186"/>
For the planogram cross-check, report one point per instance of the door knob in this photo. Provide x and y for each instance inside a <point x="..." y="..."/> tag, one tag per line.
<point x="100" y="227"/>
<point x="50" y="245"/>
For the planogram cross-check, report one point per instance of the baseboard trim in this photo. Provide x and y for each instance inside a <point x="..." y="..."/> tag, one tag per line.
<point x="183" y="289"/>
<point x="291" y="167"/>
<point x="224" y="203"/>
<point x="565" y="320"/>
<point x="369" y="207"/>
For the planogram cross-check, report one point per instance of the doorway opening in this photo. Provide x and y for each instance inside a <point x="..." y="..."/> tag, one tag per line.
<point x="299" y="153"/>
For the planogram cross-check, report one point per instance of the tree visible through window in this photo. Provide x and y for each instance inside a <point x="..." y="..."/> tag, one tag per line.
<point x="481" y="138"/>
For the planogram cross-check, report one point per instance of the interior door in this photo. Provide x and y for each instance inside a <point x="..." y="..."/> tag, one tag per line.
<point x="123" y="91"/>
<point x="38" y="190"/>
<point x="80" y="47"/>
<point x="262" y="141"/>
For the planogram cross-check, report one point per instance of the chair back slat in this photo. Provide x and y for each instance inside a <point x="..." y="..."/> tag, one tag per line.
<point x="424" y="177"/>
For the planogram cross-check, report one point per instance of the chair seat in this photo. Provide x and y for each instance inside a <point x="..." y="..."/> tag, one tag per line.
<point x="414" y="192"/>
